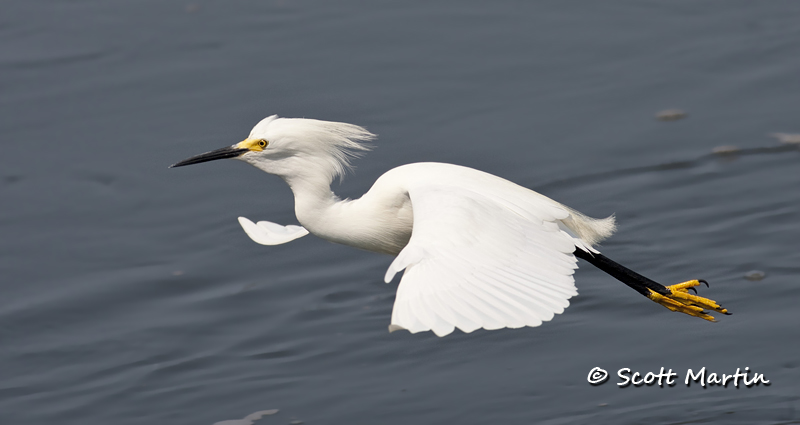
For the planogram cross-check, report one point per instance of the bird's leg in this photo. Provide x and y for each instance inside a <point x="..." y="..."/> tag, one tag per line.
<point x="674" y="297"/>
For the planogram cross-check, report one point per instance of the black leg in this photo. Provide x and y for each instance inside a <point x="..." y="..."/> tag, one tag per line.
<point x="675" y="297"/>
<point x="625" y="275"/>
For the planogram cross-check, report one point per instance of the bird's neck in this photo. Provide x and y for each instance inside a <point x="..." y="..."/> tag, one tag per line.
<point x="316" y="206"/>
<point x="313" y="198"/>
<point x="366" y="223"/>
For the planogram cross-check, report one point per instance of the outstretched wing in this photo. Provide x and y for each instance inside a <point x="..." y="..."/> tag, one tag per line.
<point x="269" y="233"/>
<point x="483" y="256"/>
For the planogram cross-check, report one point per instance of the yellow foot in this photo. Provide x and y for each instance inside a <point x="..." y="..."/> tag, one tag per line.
<point x="682" y="301"/>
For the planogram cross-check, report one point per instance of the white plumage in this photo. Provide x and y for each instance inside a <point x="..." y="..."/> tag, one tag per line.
<point x="477" y="251"/>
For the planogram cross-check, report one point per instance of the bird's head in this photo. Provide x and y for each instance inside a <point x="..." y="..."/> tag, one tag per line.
<point x="291" y="147"/>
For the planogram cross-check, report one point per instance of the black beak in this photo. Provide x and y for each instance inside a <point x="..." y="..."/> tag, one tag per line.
<point x="224" y="153"/>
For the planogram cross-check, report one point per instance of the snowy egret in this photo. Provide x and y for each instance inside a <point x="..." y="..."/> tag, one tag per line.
<point x="478" y="251"/>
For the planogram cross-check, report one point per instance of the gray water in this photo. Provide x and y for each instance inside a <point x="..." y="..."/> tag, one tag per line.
<point x="130" y="295"/>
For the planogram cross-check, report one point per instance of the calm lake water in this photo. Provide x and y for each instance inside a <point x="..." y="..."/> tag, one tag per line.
<point x="130" y="295"/>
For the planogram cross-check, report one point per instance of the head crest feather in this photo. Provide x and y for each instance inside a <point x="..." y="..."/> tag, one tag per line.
<point x="334" y="143"/>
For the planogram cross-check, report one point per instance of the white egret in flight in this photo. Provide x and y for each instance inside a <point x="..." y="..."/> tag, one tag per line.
<point x="477" y="251"/>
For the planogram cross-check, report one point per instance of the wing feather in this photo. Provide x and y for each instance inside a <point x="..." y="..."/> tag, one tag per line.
<point x="269" y="233"/>
<point x="482" y="255"/>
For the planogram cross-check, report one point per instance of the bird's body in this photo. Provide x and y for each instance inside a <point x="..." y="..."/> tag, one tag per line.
<point x="478" y="251"/>
<point x="382" y="220"/>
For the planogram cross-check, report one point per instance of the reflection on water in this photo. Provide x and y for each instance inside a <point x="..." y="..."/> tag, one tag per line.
<point x="671" y="115"/>
<point x="249" y="419"/>
<point x="727" y="153"/>
<point x="788" y="138"/>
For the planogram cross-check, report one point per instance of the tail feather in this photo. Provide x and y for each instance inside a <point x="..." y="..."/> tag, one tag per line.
<point x="590" y="230"/>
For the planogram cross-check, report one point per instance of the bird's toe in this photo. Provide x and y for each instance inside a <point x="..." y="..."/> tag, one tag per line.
<point x="679" y="299"/>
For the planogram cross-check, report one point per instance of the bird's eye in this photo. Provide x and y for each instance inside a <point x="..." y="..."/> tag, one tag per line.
<point x="262" y="143"/>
